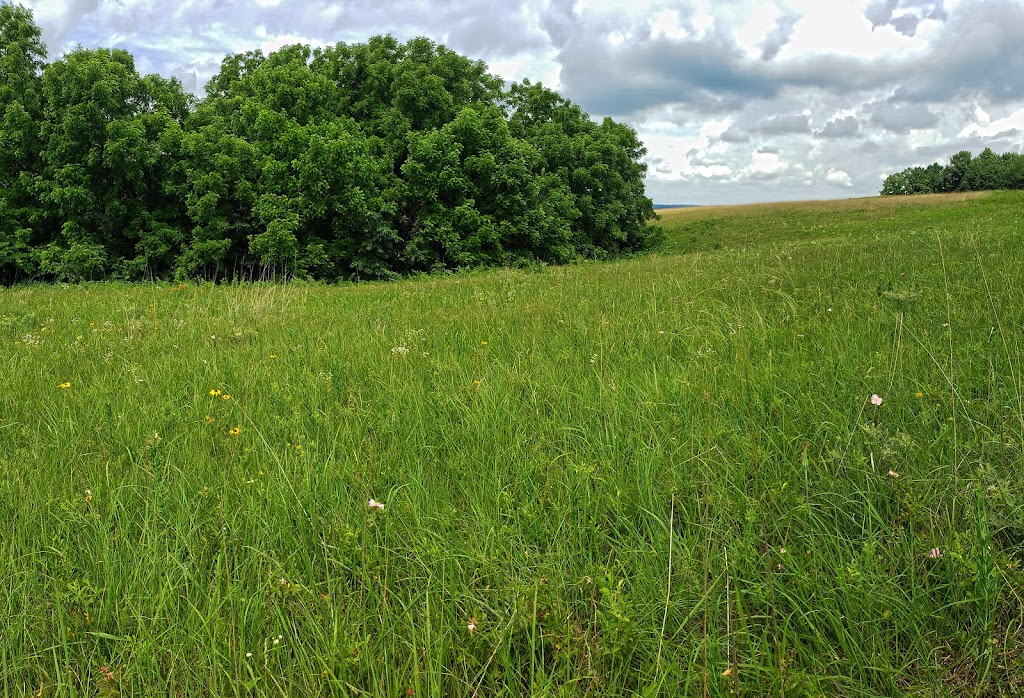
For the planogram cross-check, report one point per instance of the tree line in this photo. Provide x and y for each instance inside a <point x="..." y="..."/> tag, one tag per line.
<point x="361" y="161"/>
<point x="963" y="173"/>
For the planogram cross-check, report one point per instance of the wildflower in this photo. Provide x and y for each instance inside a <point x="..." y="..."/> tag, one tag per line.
<point x="471" y="626"/>
<point x="225" y="396"/>
<point x="209" y="419"/>
<point x="727" y="673"/>
<point x="400" y="350"/>
<point x="374" y="504"/>
<point x="65" y="385"/>
<point x="935" y="554"/>
<point x="893" y="474"/>
<point x="875" y="400"/>
<point x="235" y="431"/>
<point x="661" y="331"/>
<point x="248" y="654"/>
<point x="484" y="343"/>
<point x="919" y="395"/>
<point x="593" y="359"/>
<point x="214" y="393"/>
<point x="88" y="496"/>
<point x="782" y="551"/>
<point x="273" y="356"/>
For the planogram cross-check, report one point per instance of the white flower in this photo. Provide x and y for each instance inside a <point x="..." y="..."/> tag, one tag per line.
<point x="400" y="350"/>
<point x="374" y="504"/>
<point x="876" y="400"/>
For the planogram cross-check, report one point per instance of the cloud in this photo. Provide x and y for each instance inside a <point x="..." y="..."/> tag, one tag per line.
<point x="845" y="127"/>
<point x="709" y="74"/>
<point x="787" y="123"/>
<point x="903" y="118"/>
<point x="839" y="178"/>
<point x="734" y="135"/>
<point x="779" y="35"/>
<point x="883" y="12"/>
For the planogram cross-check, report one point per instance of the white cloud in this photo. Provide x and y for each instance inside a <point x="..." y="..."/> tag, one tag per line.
<point x="839" y="177"/>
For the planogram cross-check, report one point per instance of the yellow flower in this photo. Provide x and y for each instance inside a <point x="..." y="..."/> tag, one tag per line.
<point x="918" y="395"/>
<point x="273" y="356"/>
<point x="65" y="385"/>
<point x="484" y="343"/>
<point x="210" y="420"/>
<point x="225" y="396"/>
<point x="214" y="392"/>
<point x="235" y="431"/>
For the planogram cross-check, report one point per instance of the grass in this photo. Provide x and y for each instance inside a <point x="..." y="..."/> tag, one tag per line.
<point x="662" y="476"/>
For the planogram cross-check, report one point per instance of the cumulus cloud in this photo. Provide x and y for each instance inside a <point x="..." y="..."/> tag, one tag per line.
<point x="779" y="35"/>
<point x="904" y="15"/>
<point x="839" y="178"/>
<point x="786" y="123"/>
<point x="903" y="118"/>
<point x="845" y="127"/>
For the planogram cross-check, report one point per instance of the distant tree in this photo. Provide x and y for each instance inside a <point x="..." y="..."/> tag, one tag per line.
<point x="1013" y="168"/>
<point x="953" y="174"/>
<point x="987" y="171"/>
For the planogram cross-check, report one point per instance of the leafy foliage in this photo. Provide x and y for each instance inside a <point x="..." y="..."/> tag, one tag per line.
<point x="963" y="173"/>
<point x="354" y="161"/>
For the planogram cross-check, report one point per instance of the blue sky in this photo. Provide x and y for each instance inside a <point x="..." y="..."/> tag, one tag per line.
<point x="736" y="100"/>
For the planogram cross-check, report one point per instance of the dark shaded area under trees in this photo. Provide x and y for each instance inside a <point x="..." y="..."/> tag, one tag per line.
<point x="354" y="161"/>
<point x="963" y="173"/>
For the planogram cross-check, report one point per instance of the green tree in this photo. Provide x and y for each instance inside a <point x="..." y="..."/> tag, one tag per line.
<point x="21" y="60"/>
<point x="280" y="182"/>
<point x="600" y="166"/>
<point x="953" y="174"/>
<point x="112" y="169"/>
<point x="987" y="171"/>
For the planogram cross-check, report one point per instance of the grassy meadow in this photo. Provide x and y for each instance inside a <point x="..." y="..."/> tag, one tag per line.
<point x="664" y="476"/>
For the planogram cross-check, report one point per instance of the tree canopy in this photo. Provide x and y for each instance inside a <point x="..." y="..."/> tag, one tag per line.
<point x="963" y="173"/>
<point x="353" y="161"/>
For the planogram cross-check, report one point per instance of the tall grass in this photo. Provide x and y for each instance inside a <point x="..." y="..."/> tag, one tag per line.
<point x="663" y="476"/>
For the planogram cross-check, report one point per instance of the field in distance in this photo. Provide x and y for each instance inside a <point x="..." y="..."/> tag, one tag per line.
<point x="781" y="455"/>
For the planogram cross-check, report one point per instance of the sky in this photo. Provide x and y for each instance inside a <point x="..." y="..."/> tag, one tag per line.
<point x="737" y="101"/>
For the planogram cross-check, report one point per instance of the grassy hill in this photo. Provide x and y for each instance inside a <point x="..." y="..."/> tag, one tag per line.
<point x="781" y="456"/>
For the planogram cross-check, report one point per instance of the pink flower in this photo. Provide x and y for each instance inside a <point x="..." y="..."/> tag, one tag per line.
<point x="935" y="554"/>
<point x="875" y="400"/>
<point x="893" y="473"/>
<point x="471" y="626"/>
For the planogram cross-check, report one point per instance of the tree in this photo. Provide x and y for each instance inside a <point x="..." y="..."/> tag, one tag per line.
<point x="278" y="179"/>
<point x="21" y="59"/>
<point x="987" y="171"/>
<point x="599" y="167"/>
<point x="111" y="167"/>
<point x="954" y="172"/>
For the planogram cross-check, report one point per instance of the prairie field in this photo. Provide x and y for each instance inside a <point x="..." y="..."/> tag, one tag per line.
<point x="781" y="456"/>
